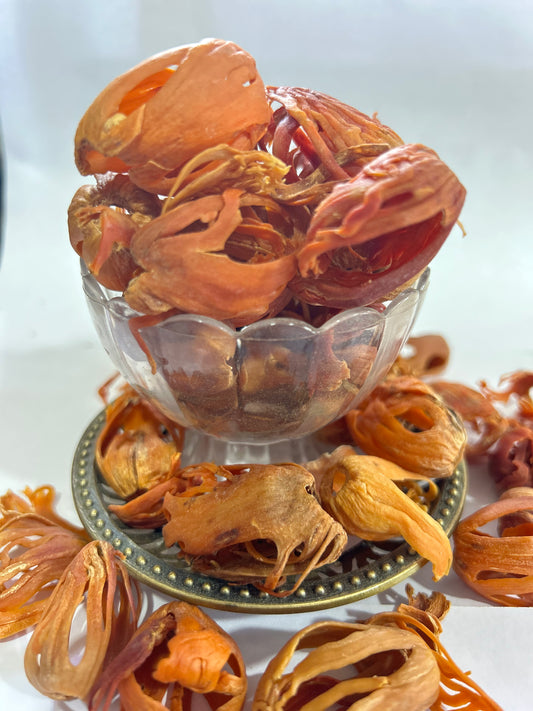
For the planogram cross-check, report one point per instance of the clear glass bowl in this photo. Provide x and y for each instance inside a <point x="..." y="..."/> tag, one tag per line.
<point x="277" y="379"/>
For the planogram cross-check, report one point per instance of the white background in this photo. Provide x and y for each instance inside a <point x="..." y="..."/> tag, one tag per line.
<point x="456" y="76"/>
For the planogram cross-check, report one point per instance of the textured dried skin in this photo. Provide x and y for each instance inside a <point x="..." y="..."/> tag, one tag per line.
<point x="193" y="271"/>
<point x="406" y="675"/>
<point x="376" y="231"/>
<point x="97" y="580"/>
<point x="497" y="568"/>
<point x="159" y="114"/>
<point x="406" y="422"/>
<point x="359" y="492"/>
<point x="101" y="221"/>
<point x="430" y="355"/>
<point x="223" y="531"/>
<point x="138" y="447"/>
<point x="34" y="552"/>
<point x="312" y="130"/>
<point x="177" y="645"/>
<point x="483" y="423"/>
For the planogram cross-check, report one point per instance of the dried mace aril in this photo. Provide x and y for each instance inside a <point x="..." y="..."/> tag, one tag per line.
<point x="260" y="524"/>
<point x="359" y="491"/>
<point x="177" y="652"/>
<point x="404" y="421"/>
<point x="97" y="582"/>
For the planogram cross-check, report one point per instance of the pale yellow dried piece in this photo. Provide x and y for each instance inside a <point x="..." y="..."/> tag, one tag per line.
<point x="360" y="493"/>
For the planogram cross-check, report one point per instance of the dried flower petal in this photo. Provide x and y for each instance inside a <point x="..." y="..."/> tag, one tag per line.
<point x="96" y="580"/>
<point x="289" y="532"/>
<point x="498" y="568"/>
<point x="406" y="422"/>
<point x="138" y="447"/>
<point x="359" y="492"/>
<point x="177" y="650"/>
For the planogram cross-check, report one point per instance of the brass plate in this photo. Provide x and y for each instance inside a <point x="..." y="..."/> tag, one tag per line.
<point x="363" y="570"/>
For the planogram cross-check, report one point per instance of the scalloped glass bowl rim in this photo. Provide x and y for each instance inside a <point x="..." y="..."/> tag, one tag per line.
<point x="117" y="304"/>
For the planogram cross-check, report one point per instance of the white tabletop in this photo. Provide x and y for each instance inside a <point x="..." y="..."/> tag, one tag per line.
<point x="454" y="76"/>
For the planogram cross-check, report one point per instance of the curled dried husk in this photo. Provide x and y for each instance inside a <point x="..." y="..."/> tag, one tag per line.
<point x="404" y="421"/>
<point x="483" y="423"/>
<point x="360" y="492"/>
<point x="386" y="668"/>
<point x="96" y="581"/>
<point x="34" y="552"/>
<point x="499" y="568"/>
<point x="289" y="532"/>
<point x="138" y="447"/>
<point x="178" y="651"/>
<point x="426" y="356"/>
<point x="375" y="232"/>
<point x="153" y="118"/>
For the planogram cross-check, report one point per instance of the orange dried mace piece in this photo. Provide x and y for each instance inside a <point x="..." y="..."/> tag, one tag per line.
<point x="147" y="121"/>
<point x="427" y="356"/>
<point x="178" y="651"/>
<point x="96" y="581"/>
<point x="359" y="492"/>
<point x="138" y="447"/>
<point x="404" y="421"/>
<point x="497" y="568"/>
<point x="34" y="552"/>
<point x="259" y="525"/>
<point x="403" y="675"/>
<point x="483" y="423"/>
<point x="422" y="616"/>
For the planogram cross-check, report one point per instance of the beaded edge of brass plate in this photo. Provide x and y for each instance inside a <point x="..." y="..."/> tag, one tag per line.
<point x="149" y="561"/>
